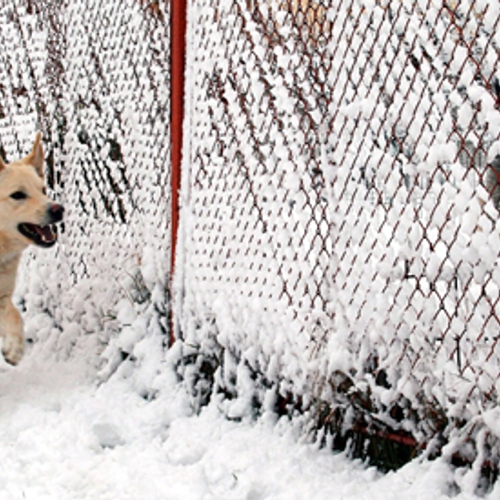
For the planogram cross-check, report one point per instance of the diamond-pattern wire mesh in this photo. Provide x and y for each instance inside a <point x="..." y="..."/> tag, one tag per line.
<point x="337" y="234"/>
<point x="93" y="76"/>
<point x="118" y="121"/>
<point x="339" y="237"/>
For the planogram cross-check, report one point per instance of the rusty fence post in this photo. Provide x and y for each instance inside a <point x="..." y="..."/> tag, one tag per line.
<point x="177" y="59"/>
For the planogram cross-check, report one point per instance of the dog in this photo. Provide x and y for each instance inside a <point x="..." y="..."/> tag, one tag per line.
<point x="26" y="217"/>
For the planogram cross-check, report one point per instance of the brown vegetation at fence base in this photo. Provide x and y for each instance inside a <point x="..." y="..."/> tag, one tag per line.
<point x="352" y="419"/>
<point x="349" y="420"/>
<point x="353" y="422"/>
<point x="377" y="444"/>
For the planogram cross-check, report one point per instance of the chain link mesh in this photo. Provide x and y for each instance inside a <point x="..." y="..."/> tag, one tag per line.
<point x="340" y="236"/>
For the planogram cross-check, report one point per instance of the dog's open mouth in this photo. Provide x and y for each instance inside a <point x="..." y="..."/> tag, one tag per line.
<point x="44" y="236"/>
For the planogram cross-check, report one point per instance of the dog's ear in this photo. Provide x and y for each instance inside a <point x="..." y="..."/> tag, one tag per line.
<point x="36" y="157"/>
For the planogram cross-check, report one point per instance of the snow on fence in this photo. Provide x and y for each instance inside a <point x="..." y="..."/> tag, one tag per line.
<point x="337" y="252"/>
<point x="339" y="246"/>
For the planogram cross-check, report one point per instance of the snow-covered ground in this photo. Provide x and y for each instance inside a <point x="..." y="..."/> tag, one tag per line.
<point x="63" y="436"/>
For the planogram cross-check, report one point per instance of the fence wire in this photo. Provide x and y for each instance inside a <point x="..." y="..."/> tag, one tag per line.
<point x="340" y="237"/>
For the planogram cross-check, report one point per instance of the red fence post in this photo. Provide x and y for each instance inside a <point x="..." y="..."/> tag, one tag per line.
<point x="177" y="60"/>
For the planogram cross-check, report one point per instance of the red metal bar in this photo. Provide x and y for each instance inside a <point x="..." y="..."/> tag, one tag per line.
<point x="177" y="62"/>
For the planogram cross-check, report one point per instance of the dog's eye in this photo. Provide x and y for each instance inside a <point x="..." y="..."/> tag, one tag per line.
<point x="19" y="195"/>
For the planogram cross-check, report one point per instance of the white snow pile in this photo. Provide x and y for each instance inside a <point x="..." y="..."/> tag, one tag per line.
<point x="65" y="436"/>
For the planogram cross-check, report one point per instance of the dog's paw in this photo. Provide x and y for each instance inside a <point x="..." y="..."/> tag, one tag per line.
<point x="13" y="349"/>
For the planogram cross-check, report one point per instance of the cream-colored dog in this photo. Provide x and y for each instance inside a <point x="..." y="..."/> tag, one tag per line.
<point x="26" y="215"/>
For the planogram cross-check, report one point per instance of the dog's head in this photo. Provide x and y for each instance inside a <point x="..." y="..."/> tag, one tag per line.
<point x="26" y="213"/>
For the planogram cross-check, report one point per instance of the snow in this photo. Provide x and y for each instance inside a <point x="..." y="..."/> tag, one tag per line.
<point x="331" y="215"/>
<point x="65" y="436"/>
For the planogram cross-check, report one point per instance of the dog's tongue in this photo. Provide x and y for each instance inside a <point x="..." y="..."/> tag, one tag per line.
<point x="45" y="232"/>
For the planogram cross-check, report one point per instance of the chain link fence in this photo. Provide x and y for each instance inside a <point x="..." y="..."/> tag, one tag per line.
<point x="340" y="245"/>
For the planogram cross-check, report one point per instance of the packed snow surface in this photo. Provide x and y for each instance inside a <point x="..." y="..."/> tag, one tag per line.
<point x="63" y="436"/>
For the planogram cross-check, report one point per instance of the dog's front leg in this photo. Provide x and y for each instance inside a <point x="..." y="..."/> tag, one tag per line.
<point x="11" y="331"/>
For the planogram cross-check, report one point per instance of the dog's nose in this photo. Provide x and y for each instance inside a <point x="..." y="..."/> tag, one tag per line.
<point x="56" y="212"/>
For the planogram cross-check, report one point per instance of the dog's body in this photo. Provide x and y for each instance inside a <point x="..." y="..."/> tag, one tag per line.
<point x="25" y="217"/>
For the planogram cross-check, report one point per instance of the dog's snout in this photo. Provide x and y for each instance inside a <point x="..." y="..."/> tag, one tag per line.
<point x="56" y="212"/>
